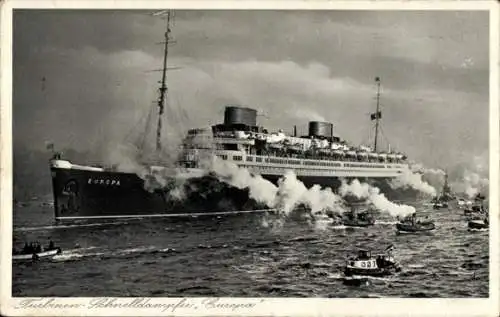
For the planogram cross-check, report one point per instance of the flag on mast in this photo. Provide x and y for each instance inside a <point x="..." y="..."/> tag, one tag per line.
<point x="376" y="115"/>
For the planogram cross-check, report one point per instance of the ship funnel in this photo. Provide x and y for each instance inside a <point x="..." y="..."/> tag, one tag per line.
<point x="240" y="115"/>
<point x="320" y="129"/>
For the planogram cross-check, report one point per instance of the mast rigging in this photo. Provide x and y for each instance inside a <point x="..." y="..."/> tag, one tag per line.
<point x="163" y="88"/>
<point x="377" y="115"/>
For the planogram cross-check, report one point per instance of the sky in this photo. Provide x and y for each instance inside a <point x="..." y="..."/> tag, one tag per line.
<point x="84" y="79"/>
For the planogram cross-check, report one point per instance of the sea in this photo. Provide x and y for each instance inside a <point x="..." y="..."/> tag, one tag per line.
<point x="246" y="255"/>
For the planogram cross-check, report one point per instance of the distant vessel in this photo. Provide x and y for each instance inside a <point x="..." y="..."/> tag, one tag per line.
<point x="412" y="224"/>
<point x="442" y="200"/>
<point x="320" y="157"/>
<point x="358" y="219"/>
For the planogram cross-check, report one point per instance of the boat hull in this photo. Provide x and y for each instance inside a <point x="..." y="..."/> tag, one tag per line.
<point x="90" y="194"/>
<point x="418" y="228"/>
<point x="35" y="256"/>
<point x="477" y="224"/>
<point x="358" y="223"/>
<point x="376" y="272"/>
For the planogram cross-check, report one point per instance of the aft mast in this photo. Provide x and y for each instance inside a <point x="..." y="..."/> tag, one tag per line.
<point x="377" y="115"/>
<point x="163" y="87"/>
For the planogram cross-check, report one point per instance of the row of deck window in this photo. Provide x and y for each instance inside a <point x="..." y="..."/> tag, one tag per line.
<point x="298" y="162"/>
<point x="278" y="169"/>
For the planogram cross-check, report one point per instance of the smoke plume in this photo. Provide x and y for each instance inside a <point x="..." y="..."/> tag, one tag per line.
<point x="289" y="194"/>
<point x="472" y="178"/>
<point x="410" y="179"/>
<point x="373" y="196"/>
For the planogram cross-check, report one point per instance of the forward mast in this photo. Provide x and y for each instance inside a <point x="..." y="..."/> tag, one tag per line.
<point x="163" y="84"/>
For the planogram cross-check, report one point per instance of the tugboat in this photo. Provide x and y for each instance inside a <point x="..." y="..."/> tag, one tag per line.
<point x="477" y="207"/>
<point x="361" y="219"/>
<point x="474" y="213"/>
<point x="411" y="224"/>
<point x="365" y="264"/>
<point x="34" y="252"/>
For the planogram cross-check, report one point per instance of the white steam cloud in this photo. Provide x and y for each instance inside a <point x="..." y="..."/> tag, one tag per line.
<point x="410" y="179"/>
<point x="377" y="199"/>
<point x="285" y="197"/>
<point x="291" y="192"/>
<point x="467" y="179"/>
<point x="260" y="189"/>
<point x="472" y="178"/>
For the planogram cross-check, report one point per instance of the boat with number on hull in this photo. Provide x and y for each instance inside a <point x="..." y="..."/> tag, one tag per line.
<point x="364" y="264"/>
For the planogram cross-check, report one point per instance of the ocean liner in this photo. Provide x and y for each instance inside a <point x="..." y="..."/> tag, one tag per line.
<point x="320" y="157"/>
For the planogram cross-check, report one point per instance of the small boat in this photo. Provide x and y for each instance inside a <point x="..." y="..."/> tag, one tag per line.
<point x="36" y="256"/>
<point x="361" y="219"/>
<point x="439" y="205"/>
<point x="412" y="224"/>
<point x="365" y="264"/>
<point x="439" y="202"/>
<point x="358" y="222"/>
<point x="474" y="209"/>
<point x="417" y="227"/>
<point x="478" y="224"/>
<point x="29" y="254"/>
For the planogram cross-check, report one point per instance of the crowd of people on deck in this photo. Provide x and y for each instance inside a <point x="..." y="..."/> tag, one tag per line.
<point x="34" y="247"/>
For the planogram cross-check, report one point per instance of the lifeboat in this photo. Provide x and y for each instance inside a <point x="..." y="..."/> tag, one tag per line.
<point x="298" y="148"/>
<point x="351" y="153"/>
<point x="392" y="156"/>
<point x="362" y="154"/>
<point x="275" y="146"/>
<point x="339" y="152"/>
<point x="241" y="135"/>
<point x="373" y="155"/>
<point x="382" y="155"/>
<point x="400" y="156"/>
<point x="365" y="148"/>
<point x="365" y="264"/>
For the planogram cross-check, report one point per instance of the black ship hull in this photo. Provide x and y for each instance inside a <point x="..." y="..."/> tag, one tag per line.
<point x="88" y="194"/>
